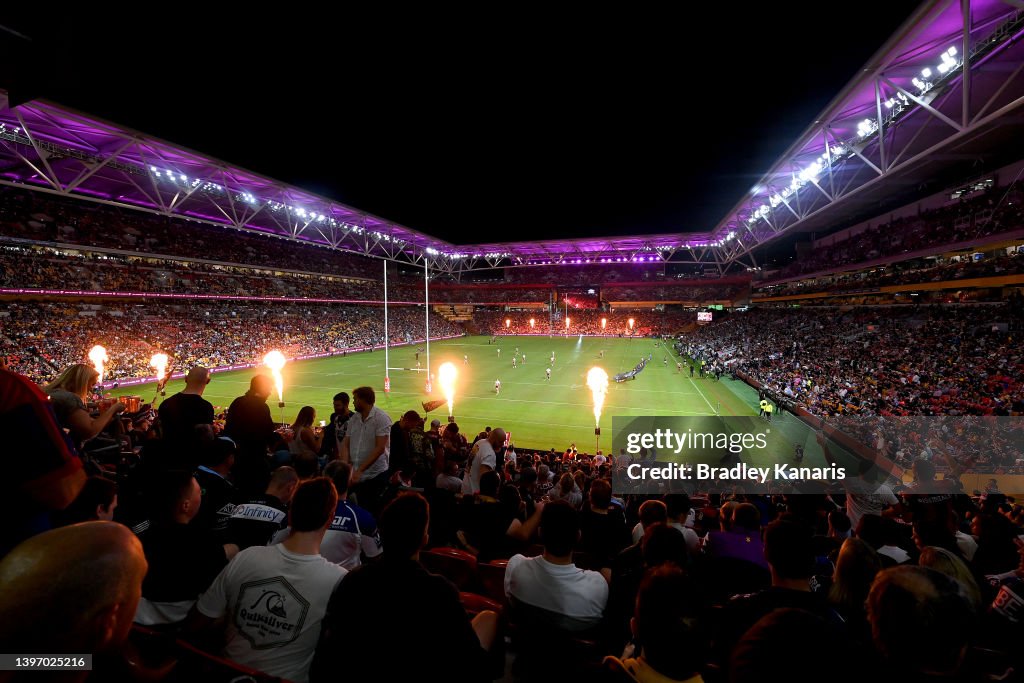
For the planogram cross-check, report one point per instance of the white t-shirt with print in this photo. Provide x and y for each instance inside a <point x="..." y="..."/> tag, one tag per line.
<point x="274" y="600"/>
<point x="864" y="498"/>
<point x="482" y="454"/>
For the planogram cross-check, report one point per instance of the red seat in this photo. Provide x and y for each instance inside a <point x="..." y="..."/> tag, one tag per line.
<point x="457" y="566"/>
<point x="492" y="578"/>
<point x="150" y="654"/>
<point x="156" y="656"/>
<point x="196" y="665"/>
<point x="475" y="604"/>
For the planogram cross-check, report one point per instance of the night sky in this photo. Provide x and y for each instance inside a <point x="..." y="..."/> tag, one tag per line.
<point x="470" y="126"/>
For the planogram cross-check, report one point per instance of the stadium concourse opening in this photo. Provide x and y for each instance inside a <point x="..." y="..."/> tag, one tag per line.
<point x="258" y="433"/>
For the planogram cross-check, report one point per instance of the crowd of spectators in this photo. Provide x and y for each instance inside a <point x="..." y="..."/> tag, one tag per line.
<point x="669" y="586"/>
<point x="922" y="361"/>
<point x="25" y="267"/>
<point x="45" y="219"/>
<point x="39" y="267"/>
<point x="586" y="274"/>
<point x="908" y="273"/>
<point x="37" y="339"/>
<point x="998" y="211"/>
<point x="699" y="292"/>
<point x="646" y="322"/>
<point x="489" y="294"/>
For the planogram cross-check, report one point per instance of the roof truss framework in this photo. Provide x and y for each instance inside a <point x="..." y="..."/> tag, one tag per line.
<point x="911" y="127"/>
<point x="56" y="150"/>
<point x="51" y="149"/>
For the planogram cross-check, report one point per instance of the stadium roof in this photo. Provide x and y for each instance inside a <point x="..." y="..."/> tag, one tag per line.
<point x="944" y="92"/>
<point x="911" y="112"/>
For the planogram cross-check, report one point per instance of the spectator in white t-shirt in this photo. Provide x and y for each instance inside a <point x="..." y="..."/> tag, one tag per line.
<point x="865" y="496"/>
<point x="483" y="458"/>
<point x="274" y="597"/>
<point x="449" y="480"/>
<point x="367" y="446"/>
<point x="550" y="584"/>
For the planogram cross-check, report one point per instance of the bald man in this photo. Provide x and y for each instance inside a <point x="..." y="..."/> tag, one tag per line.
<point x="72" y="590"/>
<point x="180" y="414"/>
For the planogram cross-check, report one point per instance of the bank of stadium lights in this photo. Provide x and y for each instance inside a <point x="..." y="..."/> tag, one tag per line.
<point x="249" y="198"/>
<point x="458" y="255"/>
<point x="948" y="63"/>
<point x="867" y="127"/>
<point x="900" y="101"/>
<point x="177" y="177"/>
<point x="15" y="135"/>
<point x="724" y="240"/>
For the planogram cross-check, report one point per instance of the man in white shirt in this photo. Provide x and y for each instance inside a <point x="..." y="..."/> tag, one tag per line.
<point x="483" y="458"/>
<point x="551" y="585"/>
<point x="367" y="446"/>
<point x="864" y="496"/>
<point x="275" y="597"/>
<point x="449" y="480"/>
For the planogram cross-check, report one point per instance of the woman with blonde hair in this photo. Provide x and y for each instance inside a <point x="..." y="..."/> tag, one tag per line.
<point x="942" y="560"/>
<point x="68" y="394"/>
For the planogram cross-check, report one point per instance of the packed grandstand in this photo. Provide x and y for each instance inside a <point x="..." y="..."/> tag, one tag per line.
<point x="301" y="552"/>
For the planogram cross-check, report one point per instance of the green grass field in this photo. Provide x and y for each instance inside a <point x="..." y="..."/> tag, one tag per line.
<point x="539" y="413"/>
